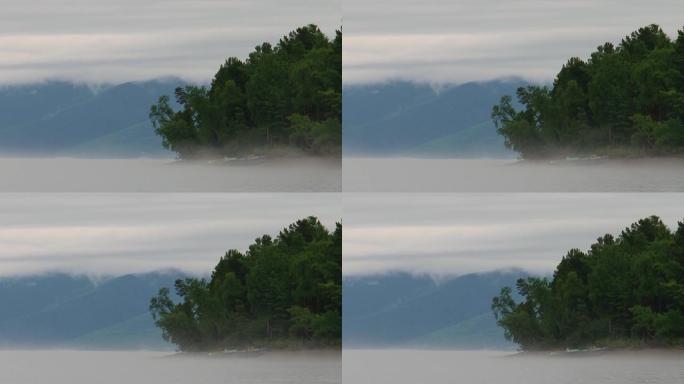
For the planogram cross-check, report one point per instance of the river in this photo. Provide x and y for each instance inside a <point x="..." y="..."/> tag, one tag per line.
<point x="510" y="175"/>
<point x="87" y="367"/>
<point x="489" y="367"/>
<point x="167" y="175"/>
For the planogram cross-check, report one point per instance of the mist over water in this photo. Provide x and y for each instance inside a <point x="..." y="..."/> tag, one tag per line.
<point x="167" y="175"/>
<point x="509" y="175"/>
<point x="81" y="367"/>
<point x="486" y="367"/>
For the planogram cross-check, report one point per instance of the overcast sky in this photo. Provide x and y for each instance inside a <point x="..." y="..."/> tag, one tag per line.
<point x="451" y="234"/>
<point x="434" y="40"/>
<point x="466" y="40"/>
<point x="105" y="234"/>
<point x="114" y="41"/>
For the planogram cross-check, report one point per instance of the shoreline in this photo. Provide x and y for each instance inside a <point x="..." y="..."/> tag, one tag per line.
<point x="308" y="353"/>
<point x="254" y="160"/>
<point x="612" y="352"/>
<point x="514" y="160"/>
<point x="599" y="160"/>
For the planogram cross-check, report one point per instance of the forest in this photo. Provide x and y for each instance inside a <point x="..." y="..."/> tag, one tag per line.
<point x="623" y="101"/>
<point x="283" y="96"/>
<point x="283" y="292"/>
<point x="624" y="291"/>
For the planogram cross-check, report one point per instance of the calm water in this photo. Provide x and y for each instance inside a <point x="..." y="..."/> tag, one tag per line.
<point x="487" y="367"/>
<point x="76" y="367"/>
<point x="164" y="175"/>
<point x="487" y="175"/>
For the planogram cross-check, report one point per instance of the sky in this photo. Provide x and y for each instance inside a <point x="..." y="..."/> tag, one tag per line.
<point x="437" y="234"/>
<point x="456" y="41"/>
<point x="105" y="41"/>
<point x="437" y="41"/>
<point x="453" y="234"/>
<point x="113" y="234"/>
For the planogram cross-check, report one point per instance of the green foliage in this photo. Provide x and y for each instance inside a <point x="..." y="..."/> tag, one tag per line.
<point x="625" y="96"/>
<point x="280" y="289"/>
<point x="315" y="137"/>
<point x="284" y="95"/>
<point x="629" y="287"/>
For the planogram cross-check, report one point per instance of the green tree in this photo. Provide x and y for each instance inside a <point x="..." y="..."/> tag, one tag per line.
<point x="629" y="96"/>
<point x="629" y="287"/>
<point x="282" y="291"/>
<point x="288" y="94"/>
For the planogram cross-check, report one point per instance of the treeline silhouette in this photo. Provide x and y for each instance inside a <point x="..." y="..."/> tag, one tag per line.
<point x="283" y="95"/>
<point x="283" y="292"/>
<point x="625" y="100"/>
<point x="627" y="290"/>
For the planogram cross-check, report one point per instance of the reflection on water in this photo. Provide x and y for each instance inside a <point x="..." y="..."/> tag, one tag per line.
<point x="488" y="367"/>
<point x="489" y="175"/>
<point x="164" y="175"/>
<point x="87" y="367"/>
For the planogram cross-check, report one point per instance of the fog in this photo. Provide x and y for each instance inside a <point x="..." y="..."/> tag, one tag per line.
<point x="120" y="233"/>
<point x="454" y="41"/>
<point x="100" y="41"/>
<point x="457" y="233"/>
<point x="496" y="175"/>
<point x="81" y="367"/>
<point x="167" y="175"/>
<point x="485" y="367"/>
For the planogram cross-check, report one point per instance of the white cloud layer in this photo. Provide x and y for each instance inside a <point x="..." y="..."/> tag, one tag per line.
<point x="457" y="41"/>
<point x="104" y="41"/>
<point x="445" y="234"/>
<point x="105" y="234"/>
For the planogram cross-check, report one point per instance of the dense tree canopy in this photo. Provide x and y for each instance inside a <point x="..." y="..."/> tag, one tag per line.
<point x="629" y="288"/>
<point x="282" y="292"/>
<point x="626" y="99"/>
<point x="283" y="95"/>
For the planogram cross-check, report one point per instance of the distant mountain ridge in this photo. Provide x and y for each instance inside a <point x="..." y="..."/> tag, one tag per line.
<point x="398" y="118"/>
<point x="60" y="310"/>
<point x="65" y="119"/>
<point x="402" y="310"/>
<point x="403" y="118"/>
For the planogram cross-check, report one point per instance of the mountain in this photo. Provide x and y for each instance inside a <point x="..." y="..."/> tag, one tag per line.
<point x="74" y="311"/>
<point x="402" y="118"/>
<point x="400" y="309"/>
<point x="59" y="118"/>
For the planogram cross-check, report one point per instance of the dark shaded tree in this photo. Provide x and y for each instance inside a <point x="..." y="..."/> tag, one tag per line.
<point x="288" y="95"/>
<point x="626" y="288"/>
<point x="282" y="292"/>
<point x="626" y="99"/>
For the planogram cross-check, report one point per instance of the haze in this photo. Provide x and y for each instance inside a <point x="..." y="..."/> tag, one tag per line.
<point x="454" y="234"/>
<point x="69" y="367"/>
<point x="113" y="234"/>
<point x="446" y="41"/>
<point x="483" y="367"/>
<point x="167" y="175"/>
<point x="397" y="174"/>
<point x="99" y="41"/>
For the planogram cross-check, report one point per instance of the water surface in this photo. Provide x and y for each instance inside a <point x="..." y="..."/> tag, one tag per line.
<point x="496" y="175"/>
<point x="488" y="367"/>
<point x="87" y="367"/>
<point x="167" y="175"/>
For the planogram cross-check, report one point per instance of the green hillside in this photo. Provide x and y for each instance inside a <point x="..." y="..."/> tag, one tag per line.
<point x="60" y="310"/>
<point x="137" y="140"/>
<point x="477" y="332"/>
<point x="64" y="119"/>
<point x="137" y="332"/>
<point x="403" y="118"/>
<point x="479" y="140"/>
<point x="402" y="310"/>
